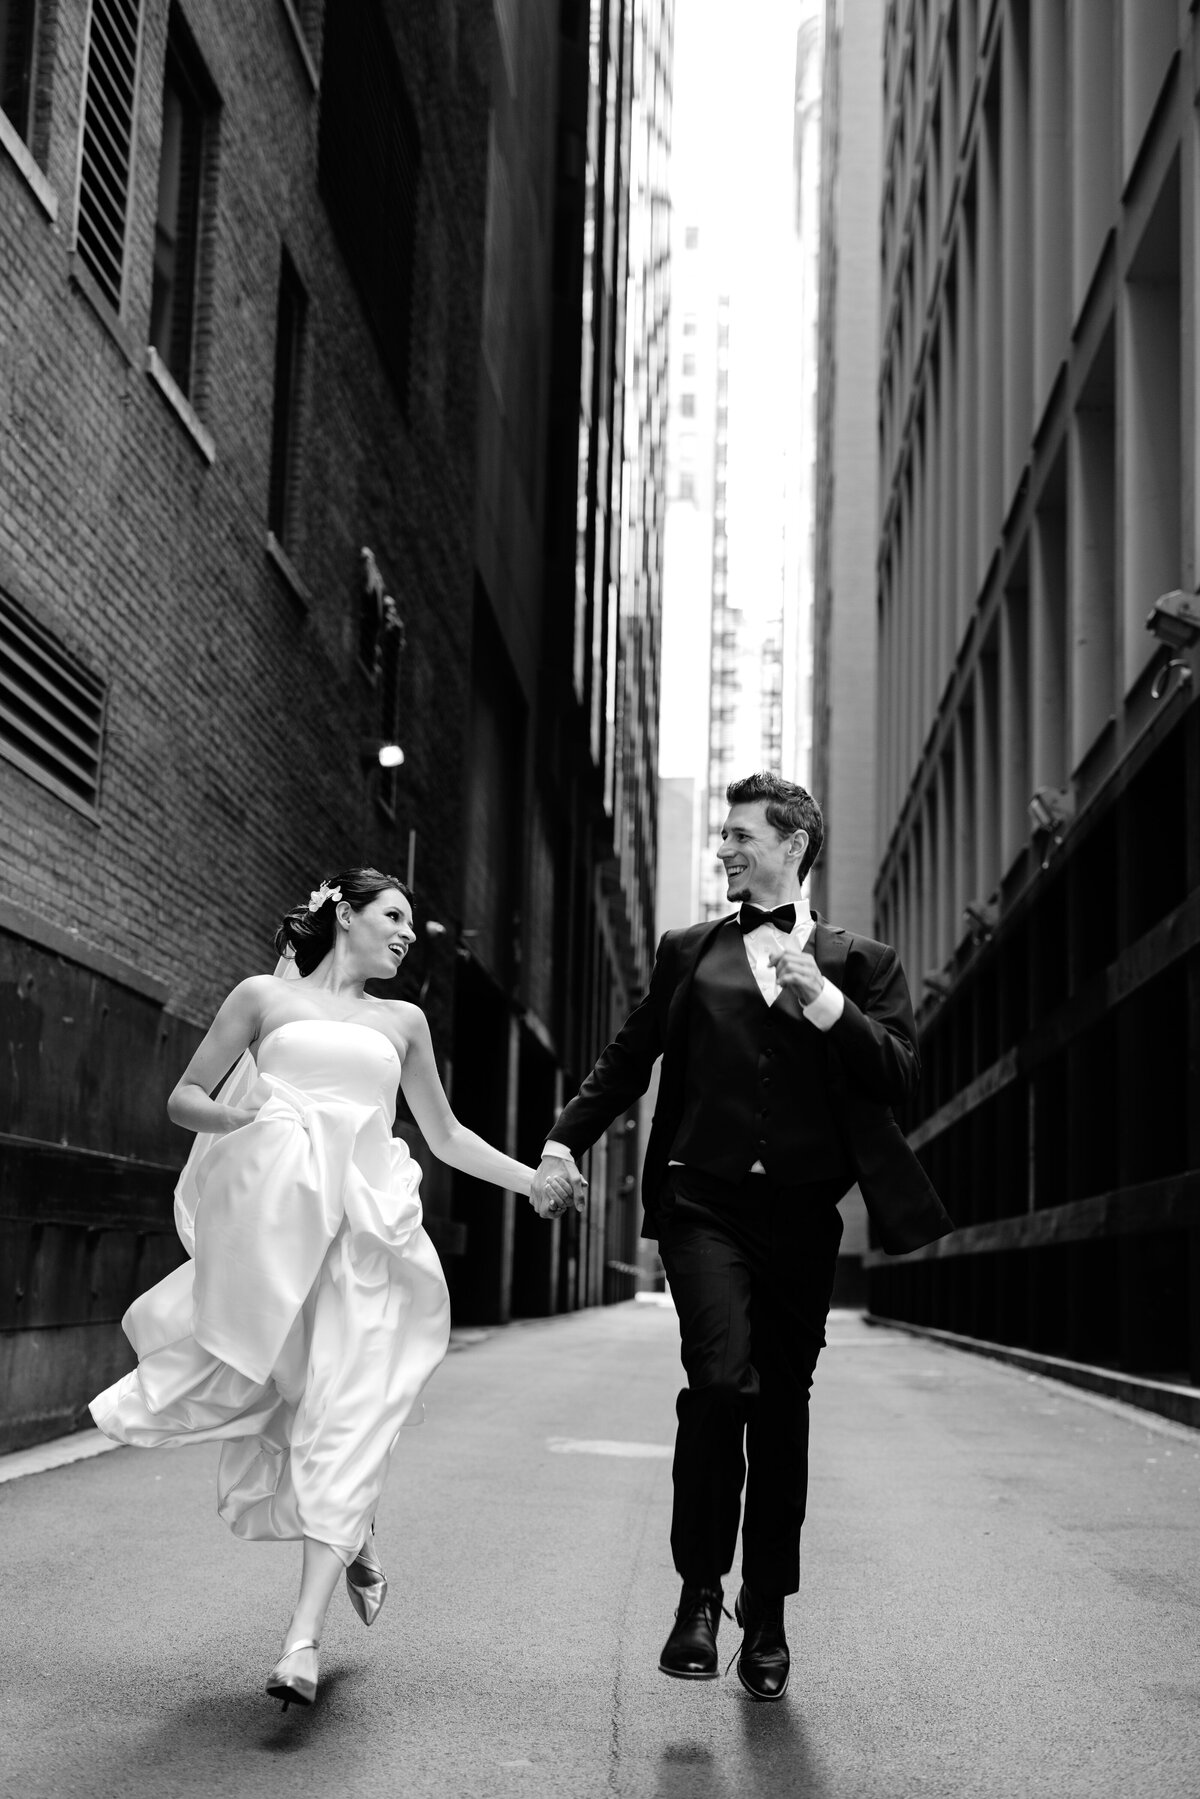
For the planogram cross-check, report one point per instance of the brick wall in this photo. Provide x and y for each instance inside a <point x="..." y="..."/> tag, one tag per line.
<point x="231" y="769"/>
<point x="236" y="707"/>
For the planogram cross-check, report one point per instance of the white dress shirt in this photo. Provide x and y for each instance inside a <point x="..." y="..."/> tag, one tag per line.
<point x="823" y="1012"/>
<point x="826" y="1009"/>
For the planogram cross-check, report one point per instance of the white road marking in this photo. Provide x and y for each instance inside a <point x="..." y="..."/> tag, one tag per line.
<point x="605" y="1446"/>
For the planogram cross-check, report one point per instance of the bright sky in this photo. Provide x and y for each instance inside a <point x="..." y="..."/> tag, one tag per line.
<point x="731" y="150"/>
<point x="731" y="173"/>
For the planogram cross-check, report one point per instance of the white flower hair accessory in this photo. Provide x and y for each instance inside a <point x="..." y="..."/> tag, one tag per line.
<point x="319" y="895"/>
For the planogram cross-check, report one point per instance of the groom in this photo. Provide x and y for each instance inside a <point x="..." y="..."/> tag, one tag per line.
<point x="785" y="1042"/>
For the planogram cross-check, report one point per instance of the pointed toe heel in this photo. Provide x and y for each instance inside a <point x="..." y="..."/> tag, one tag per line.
<point x="366" y="1582"/>
<point x="294" y="1676"/>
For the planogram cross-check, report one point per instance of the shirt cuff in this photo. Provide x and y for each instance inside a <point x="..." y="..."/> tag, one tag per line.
<point x="827" y="1008"/>
<point x="560" y="1149"/>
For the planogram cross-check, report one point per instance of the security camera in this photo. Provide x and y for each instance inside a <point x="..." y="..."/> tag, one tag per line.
<point x="1051" y="808"/>
<point x="1174" y="619"/>
<point x="982" y="918"/>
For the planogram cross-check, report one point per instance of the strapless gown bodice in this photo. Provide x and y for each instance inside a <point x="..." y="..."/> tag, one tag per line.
<point x="334" y="1060"/>
<point x="312" y="1286"/>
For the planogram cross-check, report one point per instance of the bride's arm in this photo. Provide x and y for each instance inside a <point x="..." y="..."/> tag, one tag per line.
<point x="231" y="1031"/>
<point x="450" y="1141"/>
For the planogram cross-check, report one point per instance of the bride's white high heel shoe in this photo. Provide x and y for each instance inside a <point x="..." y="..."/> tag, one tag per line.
<point x="366" y="1581"/>
<point x="294" y="1676"/>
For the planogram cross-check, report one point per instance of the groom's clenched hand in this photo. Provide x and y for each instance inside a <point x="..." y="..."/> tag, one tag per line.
<point x="796" y="969"/>
<point x="557" y="1185"/>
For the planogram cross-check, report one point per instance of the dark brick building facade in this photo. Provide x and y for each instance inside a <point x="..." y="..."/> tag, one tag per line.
<point x="276" y="383"/>
<point x="564" y="698"/>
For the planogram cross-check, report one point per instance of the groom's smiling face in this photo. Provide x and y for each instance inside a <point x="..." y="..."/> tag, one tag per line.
<point x="759" y="864"/>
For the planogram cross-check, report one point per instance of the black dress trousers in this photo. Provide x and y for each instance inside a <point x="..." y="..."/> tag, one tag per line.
<point x="751" y="1266"/>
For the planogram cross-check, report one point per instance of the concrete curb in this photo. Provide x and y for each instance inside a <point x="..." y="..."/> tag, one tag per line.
<point x="79" y="1446"/>
<point x="1180" y="1404"/>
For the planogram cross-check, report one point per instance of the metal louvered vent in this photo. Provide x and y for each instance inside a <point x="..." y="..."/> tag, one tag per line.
<point x="51" y="709"/>
<point x="108" y="142"/>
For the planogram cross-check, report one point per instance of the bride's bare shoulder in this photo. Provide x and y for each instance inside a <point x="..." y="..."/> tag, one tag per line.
<point x="406" y="1019"/>
<point x="260" y="986"/>
<point x="251" y="995"/>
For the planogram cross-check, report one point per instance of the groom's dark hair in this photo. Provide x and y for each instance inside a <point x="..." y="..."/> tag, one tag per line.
<point x="790" y="807"/>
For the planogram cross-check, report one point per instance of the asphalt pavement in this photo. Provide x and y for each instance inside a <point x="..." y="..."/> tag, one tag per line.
<point x="1001" y="1594"/>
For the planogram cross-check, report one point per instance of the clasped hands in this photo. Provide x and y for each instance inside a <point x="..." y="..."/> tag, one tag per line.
<point x="557" y="1185"/>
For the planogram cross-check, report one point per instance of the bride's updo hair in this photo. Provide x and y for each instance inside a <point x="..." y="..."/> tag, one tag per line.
<point x="308" y="930"/>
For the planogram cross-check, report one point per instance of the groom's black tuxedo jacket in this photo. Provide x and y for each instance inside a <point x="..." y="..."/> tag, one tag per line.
<point x="868" y="1062"/>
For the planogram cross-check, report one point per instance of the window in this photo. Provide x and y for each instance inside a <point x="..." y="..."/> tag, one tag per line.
<point x="107" y="149"/>
<point x="691" y="237"/>
<point x="689" y="365"/>
<point x="18" y="41"/>
<point x="687" y="486"/>
<point x="188" y="109"/>
<point x="290" y="321"/>
<point x="368" y="164"/>
<point x="687" y="405"/>
<point x="689" y="325"/>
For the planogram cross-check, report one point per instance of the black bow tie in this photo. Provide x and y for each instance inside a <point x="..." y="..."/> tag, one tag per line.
<point x="752" y="916"/>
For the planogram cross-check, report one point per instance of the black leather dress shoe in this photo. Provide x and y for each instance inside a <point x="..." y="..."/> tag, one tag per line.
<point x="764" y="1663"/>
<point x="690" y="1652"/>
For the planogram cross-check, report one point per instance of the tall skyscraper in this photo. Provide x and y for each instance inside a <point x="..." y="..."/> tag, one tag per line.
<point x="1038" y="764"/>
<point x="595" y="775"/>
<point x="742" y="435"/>
<point x="844" y="616"/>
<point x="843" y="495"/>
<point x="794" y="634"/>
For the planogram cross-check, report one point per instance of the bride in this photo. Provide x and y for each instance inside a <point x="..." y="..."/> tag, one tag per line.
<point x="314" y="1308"/>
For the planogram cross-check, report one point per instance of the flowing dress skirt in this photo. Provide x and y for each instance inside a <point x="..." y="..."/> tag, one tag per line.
<point x="315" y="1308"/>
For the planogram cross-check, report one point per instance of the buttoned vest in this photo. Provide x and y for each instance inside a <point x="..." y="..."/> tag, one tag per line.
<point x="756" y="1086"/>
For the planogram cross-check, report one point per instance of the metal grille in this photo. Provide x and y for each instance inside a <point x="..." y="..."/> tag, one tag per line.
<point x="106" y="156"/>
<point x="51" y="708"/>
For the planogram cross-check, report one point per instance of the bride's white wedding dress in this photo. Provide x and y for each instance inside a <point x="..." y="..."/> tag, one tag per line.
<point x="314" y="1308"/>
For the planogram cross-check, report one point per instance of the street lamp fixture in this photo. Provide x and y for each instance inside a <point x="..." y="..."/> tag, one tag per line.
<point x="375" y="752"/>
